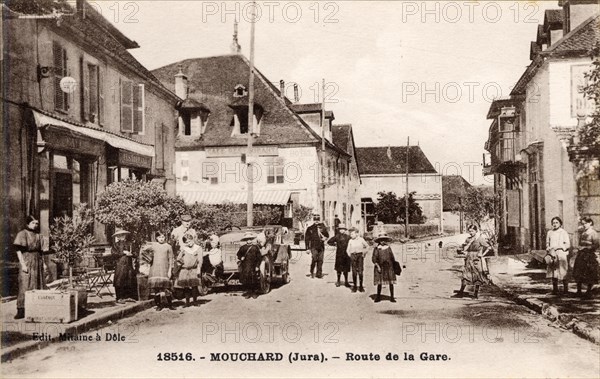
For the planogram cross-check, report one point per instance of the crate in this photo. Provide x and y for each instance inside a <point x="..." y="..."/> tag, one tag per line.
<point x="50" y="306"/>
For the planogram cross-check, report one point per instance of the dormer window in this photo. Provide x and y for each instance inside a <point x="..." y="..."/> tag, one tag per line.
<point x="193" y="116"/>
<point x="240" y="120"/>
<point x="240" y="91"/>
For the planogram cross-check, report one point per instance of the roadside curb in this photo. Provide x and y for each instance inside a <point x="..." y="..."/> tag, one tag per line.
<point x="16" y="351"/>
<point x="550" y="312"/>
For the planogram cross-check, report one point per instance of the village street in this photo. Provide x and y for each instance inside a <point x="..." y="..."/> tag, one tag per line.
<point x="490" y="336"/>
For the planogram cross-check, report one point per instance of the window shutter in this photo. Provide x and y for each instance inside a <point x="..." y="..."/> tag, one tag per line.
<point x="100" y="96"/>
<point x="85" y="88"/>
<point x="159" y="146"/>
<point x="126" y="106"/>
<point x="138" y="109"/>
<point x="58" y="74"/>
<point x="93" y="92"/>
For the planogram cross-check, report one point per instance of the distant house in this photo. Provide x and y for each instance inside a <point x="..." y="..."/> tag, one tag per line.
<point x="300" y="158"/>
<point x="384" y="169"/>
<point x="454" y="191"/>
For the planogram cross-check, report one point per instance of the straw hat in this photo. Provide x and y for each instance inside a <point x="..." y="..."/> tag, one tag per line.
<point x="186" y="218"/>
<point x="248" y="236"/>
<point x="342" y="226"/>
<point x="120" y="231"/>
<point x="383" y="237"/>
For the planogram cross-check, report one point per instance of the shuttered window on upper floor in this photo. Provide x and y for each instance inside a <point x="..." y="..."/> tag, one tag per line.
<point x="132" y="107"/>
<point x="61" y="98"/>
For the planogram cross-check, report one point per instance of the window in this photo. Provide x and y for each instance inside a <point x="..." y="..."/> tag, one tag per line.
<point x="159" y="148"/>
<point x="93" y="93"/>
<point x="61" y="99"/>
<point x="185" y="169"/>
<point x="240" y="120"/>
<point x="132" y="107"/>
<point x="275" y="170"/>
<point x="240" y="91"/>
<point x="187" y="126"/>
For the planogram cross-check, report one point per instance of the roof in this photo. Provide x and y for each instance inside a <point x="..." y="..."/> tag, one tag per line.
<point x="193" y="104"/>
<point x="340" y="134"/>
<point x="212" y="80"/>
<point x="579" y="40"/>
<point x="497" y="106"/>
<point x="453" y="188"/>
<point x="376" y="161"/>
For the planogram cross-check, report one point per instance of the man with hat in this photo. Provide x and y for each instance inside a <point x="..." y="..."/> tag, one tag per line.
<point x="125" y="278"/>
<point x="315" y="238"/>
<point x="342" y="260"/>
<point x="180" y="231"/>
<point x="249" y="258"/>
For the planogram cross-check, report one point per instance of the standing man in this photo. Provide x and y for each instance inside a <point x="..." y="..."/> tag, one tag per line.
<point x="315" y="238"/>
<point x="357" y="248"/>
<point x="342" y="260"/>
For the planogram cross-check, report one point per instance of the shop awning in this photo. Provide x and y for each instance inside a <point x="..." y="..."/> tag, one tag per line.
<point x="236" y="197"/>
<point x="43" y="120"/>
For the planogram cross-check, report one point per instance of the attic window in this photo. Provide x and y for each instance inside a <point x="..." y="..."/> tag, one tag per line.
<point x="240" y="120"/>
<point x="240" y="91"/>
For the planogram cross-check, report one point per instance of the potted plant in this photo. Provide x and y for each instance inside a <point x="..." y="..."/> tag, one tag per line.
<point x="70" y="238"/>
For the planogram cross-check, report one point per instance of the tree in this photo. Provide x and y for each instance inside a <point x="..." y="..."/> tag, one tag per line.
<point x="303" y="214"/>
<point x="589" y="135"/>
<point x="71" y="236"/>
<point x="480" y="208"/>
<point x="392" y="210"/>
<point x="140" y="208"/>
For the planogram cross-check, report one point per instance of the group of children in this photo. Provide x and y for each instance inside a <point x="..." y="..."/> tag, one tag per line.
<point x="351" y="249"/>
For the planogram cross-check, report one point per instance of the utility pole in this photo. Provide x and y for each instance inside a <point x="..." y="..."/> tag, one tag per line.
<point x="406" y="196"/>
<point x="249" y="156"/>
<point x="323" y="149"/>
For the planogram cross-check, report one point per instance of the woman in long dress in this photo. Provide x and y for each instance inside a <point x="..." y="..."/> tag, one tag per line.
<point x="160" y="271"/>
<point x="28" y="246"/>
<point x="189" y="258"/>
<point x="585" y="269"/>
<point x="475" y="270"/>
<point x="383" y="272"/>
<point x="557" y="246"/>
<point x="249" y="258"/>
<point x="125" y="278"/>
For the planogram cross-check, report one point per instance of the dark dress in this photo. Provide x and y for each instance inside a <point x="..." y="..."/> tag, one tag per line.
<point x="585" y="269"/>
<point x="162" y="259"/>
<point x="384" y="256"/>
<point x="342" y="259"/>
<point x="125" y="278"/>
<point x="29" y="243"/>
<point x="250" y="258"/>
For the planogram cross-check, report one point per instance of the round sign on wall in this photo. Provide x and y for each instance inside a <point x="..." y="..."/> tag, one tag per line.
<point x="68" y="84"/>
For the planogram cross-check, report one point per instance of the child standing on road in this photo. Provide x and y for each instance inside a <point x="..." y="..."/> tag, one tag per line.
<point x="357" y="249"/>
<point x="383" y="258"/>
<point x="189" y="258"/>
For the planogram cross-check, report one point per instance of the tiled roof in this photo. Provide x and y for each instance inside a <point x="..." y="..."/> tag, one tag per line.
<point x="497" y="105"/>
<point x="453" y="188"/>
<point x="579" y="40"/>
<point x="534" y="49"/>
<point x="375" y="160"/>
<point x="190" y="103"/>
<point x="212" y="81"/>
<point x="340" y="134"/>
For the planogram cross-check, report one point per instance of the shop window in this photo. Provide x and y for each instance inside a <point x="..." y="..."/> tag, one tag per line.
<point x="61" y="99"/>
<point x="132" y="107"/>
<point x="275" y="170"/>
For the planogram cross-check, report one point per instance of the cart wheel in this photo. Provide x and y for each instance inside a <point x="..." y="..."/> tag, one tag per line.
<point x="265" y="277"/>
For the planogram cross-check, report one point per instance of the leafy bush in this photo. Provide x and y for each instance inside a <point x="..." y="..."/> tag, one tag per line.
<point x="302" y="214"/>
<point x="140" y="208"/>
<point x="71" y="236"/>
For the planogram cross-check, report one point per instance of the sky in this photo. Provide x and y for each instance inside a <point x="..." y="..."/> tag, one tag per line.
<point x="424" y="70"/>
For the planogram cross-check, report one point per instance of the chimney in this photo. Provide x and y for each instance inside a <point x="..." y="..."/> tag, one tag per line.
<point x="80" y="7"/>
<point x="296" y="97"/>
<point x="282" y="89"/>
<point x="235" y="46"/>
<point x="181" y="84"/>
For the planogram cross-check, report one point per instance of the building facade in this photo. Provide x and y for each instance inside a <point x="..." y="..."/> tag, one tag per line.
<point x="79" y="113"/>
<point x="294" y="162"/>
<point x="384" y="169"/>
<point x="531" y="131"/>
